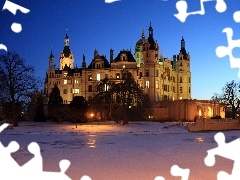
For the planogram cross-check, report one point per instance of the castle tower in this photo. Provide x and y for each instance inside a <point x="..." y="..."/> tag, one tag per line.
<point x="50" y="75"/>
<point x="149" y="63"/>
<point x="184" y="74"/>
<point x="66" y="56"/>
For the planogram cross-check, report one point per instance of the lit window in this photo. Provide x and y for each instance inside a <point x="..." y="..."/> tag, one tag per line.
<point x="106" y="87"/>
<point x="147" y="84"/>
<point x="118" y="75"/>
<point x="98" y="77"/>
<point x="157" y="84"/>
<point x="89" y="77"/>
<point x="65" y="74"/>
<point x="64" y="81"/>
<point x="76" y="91"/>
<point x="76" y="81"/>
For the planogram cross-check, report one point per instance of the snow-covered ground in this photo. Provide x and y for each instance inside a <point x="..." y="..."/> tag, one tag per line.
<point x="138" y="151"/>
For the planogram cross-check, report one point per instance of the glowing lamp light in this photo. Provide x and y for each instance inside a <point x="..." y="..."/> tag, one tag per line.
<point x="91" y="115"/>
<point x="199" y="139"/>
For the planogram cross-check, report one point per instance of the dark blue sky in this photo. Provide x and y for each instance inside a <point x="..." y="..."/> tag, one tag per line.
<point x="93" y="24"/>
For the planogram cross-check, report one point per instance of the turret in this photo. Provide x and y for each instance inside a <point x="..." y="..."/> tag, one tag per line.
<point x="66" y="57"/>
<point x="51" y="60"/>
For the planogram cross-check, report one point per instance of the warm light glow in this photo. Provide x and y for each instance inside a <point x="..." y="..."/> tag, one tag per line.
<point x="91" y="115"/>
<point x="199" y="112"/>
<point x="91" y="143"/>
<point x="180" y="98"/>
<point x="147" y="84"/>
<point x="98" y="77"/>
<point x="199" y="139"/>
<point x="209" y="112"/>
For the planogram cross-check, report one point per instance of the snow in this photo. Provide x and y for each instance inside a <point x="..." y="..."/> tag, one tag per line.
<point x="106" y="151"/>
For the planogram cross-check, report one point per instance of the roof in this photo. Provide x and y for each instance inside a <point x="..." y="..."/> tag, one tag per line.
<point x="66" y="51"/>
<point x="69" y="70"/>
<point x="103" y="58"/>
<point x="130" y="57"/>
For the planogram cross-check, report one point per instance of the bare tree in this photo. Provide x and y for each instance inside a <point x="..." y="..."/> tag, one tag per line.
<point x="230" y="96"/>
<point x="17" y="83"/>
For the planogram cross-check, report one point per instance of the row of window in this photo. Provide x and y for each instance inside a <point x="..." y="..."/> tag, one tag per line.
<point x="74" y="91"/>
<point x="166" y="88"/>
<point x="90" y="77"/>
<point x="51" y="75"/>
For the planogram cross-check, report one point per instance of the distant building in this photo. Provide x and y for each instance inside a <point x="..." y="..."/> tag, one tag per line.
<point x="161" y="78"/>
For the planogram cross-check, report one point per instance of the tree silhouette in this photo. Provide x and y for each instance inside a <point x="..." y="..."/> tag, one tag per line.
<point x="55" y="103"/>
<point x="124" y="100"/>
<point x="230" y="97"/>
<point x="55" y="99"/>
<point x="17" y="83"/>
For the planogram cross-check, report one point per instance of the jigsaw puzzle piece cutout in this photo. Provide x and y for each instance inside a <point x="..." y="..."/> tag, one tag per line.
<point x="159" y="178"/>
<point x="182" y="7"/>
<point x="4" y="125"/>
<point x="226" y="150"/>
<point x="85" y="178"/>
<point x="34" y="167"/>
<point x="236" y="16"/>
<point x="12" y="7"/>
<point x="111" y="1"/>
<point x="222" y="51"/>
<point x="7" y="162"/>
<point x="177" y="171"/>
<point x="221" y="6"/>
<point x="3" y="47"/>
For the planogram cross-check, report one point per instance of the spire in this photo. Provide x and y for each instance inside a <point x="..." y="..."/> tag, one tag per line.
<point x="143" y="35"/>
<point x="51" y="55"/>
<point x="150" y="29"/>
<point x="51" y="60"/>
<point x="66" y="40"/>
<point x="150" y="37"/>
<point x="111" y="55"/>
<point x="84" y="62"/>
<point x="182" y="43"/>
<point x="183" y="50"/>
<point x="66" y="49"/>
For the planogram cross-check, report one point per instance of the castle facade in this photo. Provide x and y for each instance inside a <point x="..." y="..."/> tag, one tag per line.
<point x="161" y="78"/>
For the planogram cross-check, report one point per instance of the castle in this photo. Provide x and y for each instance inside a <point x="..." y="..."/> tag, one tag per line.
<point x="159" y="77"/>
